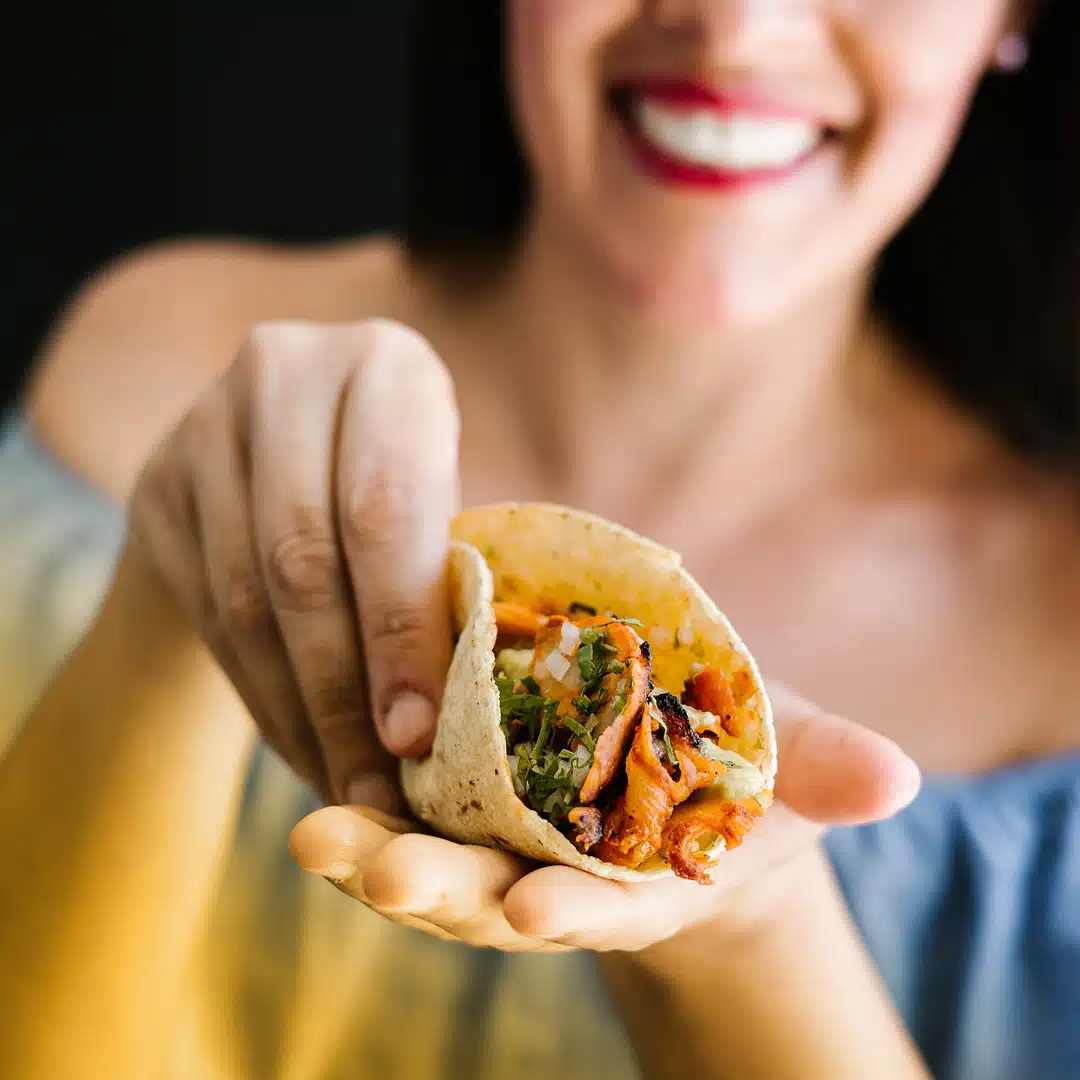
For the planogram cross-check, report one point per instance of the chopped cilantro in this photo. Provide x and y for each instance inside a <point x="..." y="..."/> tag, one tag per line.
<point x="554" y="776"/>
<point x="516" y="706"/>
<point x="590" y="706"/>
<point x="588" y="663"/>
<point x="526" y="708"/>
<point x="545" y="729"/>
<point x="581" y="731"/>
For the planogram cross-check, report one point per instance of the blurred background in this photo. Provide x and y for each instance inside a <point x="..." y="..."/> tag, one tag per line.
<point x="124" y="122"/>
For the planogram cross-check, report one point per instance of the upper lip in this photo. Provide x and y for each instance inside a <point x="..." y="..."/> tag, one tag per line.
<point x="732" y="100"/>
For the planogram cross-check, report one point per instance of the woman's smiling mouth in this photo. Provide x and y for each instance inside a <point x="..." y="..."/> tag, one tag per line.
<point x="686" y="133"/>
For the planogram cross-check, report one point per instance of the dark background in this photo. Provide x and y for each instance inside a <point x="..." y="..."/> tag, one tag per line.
<point x="127" y="121"/>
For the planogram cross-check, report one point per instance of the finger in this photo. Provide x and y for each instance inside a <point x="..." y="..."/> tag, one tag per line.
<point x="242" y="631"/>
<point x="834" y="771"/>
<point x="338" y="842"/>
<point x="163" y="533"/>
<point x="165" y="536"/>
<point x="413" y="878"/>
<point x="342" y="844"/>
<point x="398" y="489"/>
<point x="579" y="909"/>
<point x="576" y="908"/>
<point x="299" y="375"/>
<point x="457" y="888"/>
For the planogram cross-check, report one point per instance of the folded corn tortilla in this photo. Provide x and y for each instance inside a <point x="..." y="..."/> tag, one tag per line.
<point x="538" y="554"/>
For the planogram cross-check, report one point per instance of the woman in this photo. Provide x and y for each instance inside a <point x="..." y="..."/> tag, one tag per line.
<point x="682" y="315"/>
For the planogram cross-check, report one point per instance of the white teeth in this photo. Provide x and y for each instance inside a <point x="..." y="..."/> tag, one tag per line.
<point x="734" y="143"/>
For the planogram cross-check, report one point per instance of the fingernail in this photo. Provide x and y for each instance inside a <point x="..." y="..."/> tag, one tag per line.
<point x="409" y="725"/>
<point x="337" y="872"/>
<point x="378" y="791"/>
<point x="908" y="782"/>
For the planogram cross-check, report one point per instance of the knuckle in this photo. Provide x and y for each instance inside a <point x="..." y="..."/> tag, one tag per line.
<point x="244" y="605"/>
<point x="280" y="340"/>
<point x="404" y="627"/>
<point x="389" y="337"/>
<point x="401" y="361"/>
<point x="264" y="360"/>
<point x="379" y="516"/>
<point x="303" y="565"/>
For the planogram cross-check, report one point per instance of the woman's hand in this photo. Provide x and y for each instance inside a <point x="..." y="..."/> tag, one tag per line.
<point x="300" y="517"/>
<point x="830" y="772"/>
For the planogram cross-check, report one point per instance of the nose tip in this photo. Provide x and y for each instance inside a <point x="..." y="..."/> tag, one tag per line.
<point x="715" y="14"/>
<point x="736" y="33"/>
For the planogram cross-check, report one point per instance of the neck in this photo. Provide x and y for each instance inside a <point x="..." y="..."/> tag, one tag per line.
<point x="636" y="419"/>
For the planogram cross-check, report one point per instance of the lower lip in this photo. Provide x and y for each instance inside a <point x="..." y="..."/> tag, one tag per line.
<point x="680" y="173"/>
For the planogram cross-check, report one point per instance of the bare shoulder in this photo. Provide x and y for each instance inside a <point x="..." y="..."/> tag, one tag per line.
<point x="144" y="338"/>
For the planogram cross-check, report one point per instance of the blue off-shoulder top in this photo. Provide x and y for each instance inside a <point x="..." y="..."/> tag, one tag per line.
<point x="970" y="903"/>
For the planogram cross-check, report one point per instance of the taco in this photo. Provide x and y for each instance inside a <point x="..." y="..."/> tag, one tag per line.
<point x="599" y="712"/>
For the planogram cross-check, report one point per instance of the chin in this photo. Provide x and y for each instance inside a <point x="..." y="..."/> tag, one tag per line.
<point x="703" y="298"/>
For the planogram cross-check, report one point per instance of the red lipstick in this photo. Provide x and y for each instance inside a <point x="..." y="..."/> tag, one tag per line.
<point x="685" y="94"/>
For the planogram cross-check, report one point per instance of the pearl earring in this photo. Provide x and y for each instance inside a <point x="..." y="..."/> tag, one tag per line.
<point x="1011" y="53"/>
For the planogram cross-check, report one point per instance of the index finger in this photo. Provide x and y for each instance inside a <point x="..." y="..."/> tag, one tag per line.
<point x="397" y="492"/>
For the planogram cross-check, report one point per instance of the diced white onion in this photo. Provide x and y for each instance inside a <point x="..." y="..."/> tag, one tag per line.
<point x="557" y="664"/>
<point x="572" y="679"/>
<point x="552" y="801"/>
<point x="540" y="669"/>
<point x="569" y="639"/>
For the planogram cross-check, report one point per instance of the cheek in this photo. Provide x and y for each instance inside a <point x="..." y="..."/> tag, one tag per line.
<point x="920" y="85"/>
<point x="555" y="51"/>
<point x="741" y="267"/>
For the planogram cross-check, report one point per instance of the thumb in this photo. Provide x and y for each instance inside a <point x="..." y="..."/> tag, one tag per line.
<point x="836" y="772"/>
<point x="398" y="485"/>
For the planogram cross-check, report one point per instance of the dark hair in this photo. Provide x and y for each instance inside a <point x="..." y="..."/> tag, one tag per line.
<point x="983" y="283"/>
